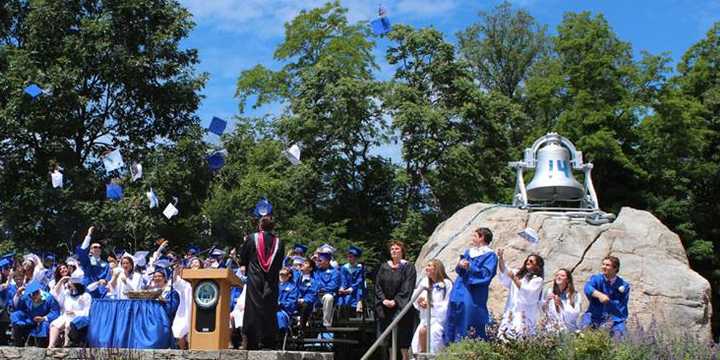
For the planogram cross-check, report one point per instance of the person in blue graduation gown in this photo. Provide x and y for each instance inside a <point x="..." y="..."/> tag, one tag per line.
<point x="287" y="299"/>
<point x="328" y="279"/>
<point x="169" y="297"/>
<point x="34" y="312"/>
<point x="352" y="278"/>
<point x="307" y="288"/>
<point x="96" y="271"/>
<point x="467" y="313"/>
<point x="7" y="291"/>
<point x="608" y="294"/>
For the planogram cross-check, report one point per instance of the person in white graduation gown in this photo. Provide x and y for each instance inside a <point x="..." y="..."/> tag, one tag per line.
<point x="181" y="323"/>
<point x="562" y="304"/>
<point x="524" y="297"/>
<point x="437" y="279"/>
<point x="125" y="278"/>
<point x="76" y="302"/>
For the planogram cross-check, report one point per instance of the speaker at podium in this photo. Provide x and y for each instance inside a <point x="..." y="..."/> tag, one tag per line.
<point x="210" y="320"/>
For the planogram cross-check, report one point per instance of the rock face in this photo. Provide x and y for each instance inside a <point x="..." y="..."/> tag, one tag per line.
<point x="664" y="288"/>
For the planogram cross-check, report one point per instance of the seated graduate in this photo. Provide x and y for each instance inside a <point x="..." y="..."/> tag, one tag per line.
<point x="298" y="250"/>
<point x="328" y="280"/>
<point x="307" y="289"/>
<point x="35" y="309"/>
<point x="608" y="294"/>
<point x="95" y="269"/>
<point x="525" y="287"/>
<point x="7" y="291"/>
<point x="352" y="281"/>
<point x="562" y="304"/>
<point x="61" y="271"/>
<point x="75" y="303"/>
<point x="125" y="278"/>
<point x="162" y="271"/>
<point x="467" y="309"/>
<point x="287" y="299"/>
<point x="441" y="285"/>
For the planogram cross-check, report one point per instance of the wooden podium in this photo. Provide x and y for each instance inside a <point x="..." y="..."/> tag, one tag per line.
<point x="210" y="320"/>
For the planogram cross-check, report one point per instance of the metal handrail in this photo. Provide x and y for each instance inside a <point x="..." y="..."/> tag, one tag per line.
<point x="393" y="326"/>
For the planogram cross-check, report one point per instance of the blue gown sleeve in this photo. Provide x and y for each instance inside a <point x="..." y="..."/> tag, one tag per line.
<point x="54" y="309"/>
<point x="83" y="257"/>
<point x="344" y="278"/>
<point x="481" y="273"/>
<point x="311" y="293"/>
<point x="590" y="287"/>
<point x="359" y="284"/>
<point x="172" y="301"/>
<point x="289" y="301"/>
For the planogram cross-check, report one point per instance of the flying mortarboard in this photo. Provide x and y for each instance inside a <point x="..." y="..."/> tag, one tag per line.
<point x="293" y="154"/>
<point x="262" y="208"/>
<point x="381" y="26"/>
<point x="33" y="90"/>
<point x="355" y="251"/>
<point x="113" y="160"/>
<point x="217" y="126"/>
<point x="154" y="202"/>
<point x="171" y="210"/>
<point x="114" y="191"/>
<point x="56" y="178"/>
<point x="140" y="258"/>
<point x="216" y="161"/>
<point x="136" y="171"/>
<point x="530" y="235"/>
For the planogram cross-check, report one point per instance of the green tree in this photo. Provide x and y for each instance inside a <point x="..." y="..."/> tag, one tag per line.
<point x="331" y="108"/>
<point x="116" y="77"/>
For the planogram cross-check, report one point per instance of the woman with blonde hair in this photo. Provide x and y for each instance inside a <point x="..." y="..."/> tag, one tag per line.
<point x="437" y="280"/>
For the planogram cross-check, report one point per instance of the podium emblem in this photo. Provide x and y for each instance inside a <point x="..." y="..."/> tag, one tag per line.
<point x="206" y="294"/>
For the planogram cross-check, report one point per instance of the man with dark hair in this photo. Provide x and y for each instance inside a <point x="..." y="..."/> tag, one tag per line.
<point x="608" y="294"/>
<point x="262" y="255"/>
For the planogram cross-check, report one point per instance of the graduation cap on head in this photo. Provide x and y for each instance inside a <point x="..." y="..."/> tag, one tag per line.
<point x="56" y="178"/>
<point x="325" y="256"/>
<point x="77" y="276"/>
<point x="217" y="253"/>
<point x="72" y="261"/>
<point x="118" y="252"/>
<point x="293" y="154"/>
<point x="33" y="286"/>
<point x="163" y="266"/>
<point x="262" y="208"/>
<point x="300" y="248"/>
<point x="530" y="235"/>
<point x="298" y="260"/>
<point x="5" y="263"/>
<point x="113" y="160"/>
<point x="216" y="161"/>
<point x="326" y="248"/>
<point x="136" y="171"/>
<point x="192" y="250"/>
<point x="33" y="90"/>
<point x="114" y="191"/>
<point x="217" y="126"/>
<point x="355" y="251"/>
<point x="49" y="257"/>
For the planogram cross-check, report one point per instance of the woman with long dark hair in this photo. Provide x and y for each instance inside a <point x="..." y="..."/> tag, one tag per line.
<point x="394" y="285"/>
<point x="76" y="302"/>
<point x="563" y="304"/>
<point x="525" y="292"/>
<point x="436" y="279"/>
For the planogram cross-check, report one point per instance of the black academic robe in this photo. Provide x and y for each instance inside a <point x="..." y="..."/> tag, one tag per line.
<point x="261" y="302"/>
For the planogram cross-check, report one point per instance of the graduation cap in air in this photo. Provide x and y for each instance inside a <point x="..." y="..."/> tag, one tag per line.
<point x="113" y="160"/>
<point x="140" y="258"/>
<point x="355" y="251"/>
<point x="136" y="171"/>
<point x="56" y="178"/>
<point x="381" y="25"/>
<point x="216" y="161"/>
<point x="293" y="154"/>
<point x="217" y="126"/>
<point x="530" y="235"/>
<point x="114" y="191"/>
<point x="300" y="248"/>
<point x="154" y="202"/>
<point x="33" y="90"/>
<point x="262" y="208"/>
<point x="171" y="209"/>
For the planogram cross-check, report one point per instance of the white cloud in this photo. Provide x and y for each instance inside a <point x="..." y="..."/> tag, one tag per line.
<point x="267" y="18"/>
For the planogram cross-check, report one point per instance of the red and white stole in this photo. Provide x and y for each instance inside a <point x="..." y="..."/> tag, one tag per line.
<point x="265" y="259"/>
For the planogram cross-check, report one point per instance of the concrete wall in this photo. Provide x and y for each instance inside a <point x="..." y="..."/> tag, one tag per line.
<point x="31" y="353"/>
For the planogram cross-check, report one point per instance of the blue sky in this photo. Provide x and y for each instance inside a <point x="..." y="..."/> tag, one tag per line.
<point x="234" y="35"/>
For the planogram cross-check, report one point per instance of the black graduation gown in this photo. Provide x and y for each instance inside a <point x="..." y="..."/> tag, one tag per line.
<point x="261" y="302"/>
<point x="396" y="284"/>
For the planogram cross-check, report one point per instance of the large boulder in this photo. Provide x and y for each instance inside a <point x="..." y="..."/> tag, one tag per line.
<point x="665" y="291"/>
